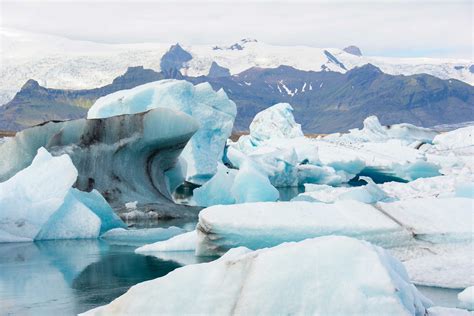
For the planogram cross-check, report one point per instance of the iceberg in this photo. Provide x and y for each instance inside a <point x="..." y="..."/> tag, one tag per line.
<point x="28" y="199"/>
<point x="373" y="131"/>
<point x="434" y="219"/>
<point x="214" y="112"/>
<point x="251" y="185"/>
<point x="145" y="235"/>
<point x="466" y="298"/>
<point x="39" y="203"/>
<point x="322" y="276"/>
<point x="181" y="242"/>
<point x="447" y="265"/>
<point x="276" y="121"/>
<point x="73" y="220"/>
<point x="132" y="155"/>
<point x="229" y="186"/>
<point x="370" y="193"/>
<point x="218" y="190"/>
<point x="259" y="225"/>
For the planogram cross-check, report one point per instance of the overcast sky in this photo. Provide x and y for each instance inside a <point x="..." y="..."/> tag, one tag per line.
<point x="389" y="28"/>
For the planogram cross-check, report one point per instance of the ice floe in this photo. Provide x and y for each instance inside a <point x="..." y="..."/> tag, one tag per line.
<point x="292" y="278"/>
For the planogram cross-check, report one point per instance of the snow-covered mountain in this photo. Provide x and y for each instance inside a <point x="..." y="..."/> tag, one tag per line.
<point x="58" y="62"/>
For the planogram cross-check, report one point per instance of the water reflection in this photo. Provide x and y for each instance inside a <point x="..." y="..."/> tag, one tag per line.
<point x="70" y="276"/>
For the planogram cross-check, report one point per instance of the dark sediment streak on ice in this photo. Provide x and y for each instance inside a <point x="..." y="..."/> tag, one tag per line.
<point x="123" y="157"/>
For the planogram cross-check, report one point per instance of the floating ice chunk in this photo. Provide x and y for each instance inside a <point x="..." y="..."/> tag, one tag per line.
<point x="416" y="170"/>
<point x="435" y="219"/>
<point x="131" y="205"/>
<point x="28" y="199"/>
<point x="73" y="220"/>
<point x="447" y="265"/>
<point x="369" y="193"/>
<point x="145" y="235"/>
<point x="334" y="276"/>
<point x="278" y="164"/>
<point x="7" y="237"/>
<point x="97" y="204"/>
<point x="457" y="140"/>
<point x="182" y="242"/>
<point x="276" y="121"/>
<point x="218" y="190"/>
<point x="446" y="311"/>
<point x="259" y="225"/>
<point x="251" y="185"/>
<point x="466" y="298"/>
<point x="426" y="187"/>
<point x="213" y="110"/>
<point x="373" y="131"/>
<point x="465" y="190"/>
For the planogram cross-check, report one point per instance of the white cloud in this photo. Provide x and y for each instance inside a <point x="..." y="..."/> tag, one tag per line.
<point x="431" y="28"/>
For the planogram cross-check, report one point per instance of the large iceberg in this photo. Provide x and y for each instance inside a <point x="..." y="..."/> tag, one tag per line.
<point x="40" y="203"/>
<point x="213" y="110"/>
<point x="259" y="225"/>
<point x="125" y="158"/>
<point x="322" y="276"/>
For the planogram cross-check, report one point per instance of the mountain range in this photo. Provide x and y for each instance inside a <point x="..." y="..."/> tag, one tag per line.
<point x="325" y="101"/>
<point x="62" y="63"/>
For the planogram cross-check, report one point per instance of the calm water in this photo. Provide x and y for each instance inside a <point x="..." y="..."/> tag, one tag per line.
<point x="72" y="276"/>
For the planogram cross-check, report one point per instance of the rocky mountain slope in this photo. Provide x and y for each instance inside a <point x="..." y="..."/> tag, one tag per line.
<point x="61" y="63"/>
<point x="324" y="101"/>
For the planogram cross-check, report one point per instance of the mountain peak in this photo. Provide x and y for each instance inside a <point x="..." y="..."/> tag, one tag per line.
<point x="353" y="50"/>
<point x="31" y="84"/>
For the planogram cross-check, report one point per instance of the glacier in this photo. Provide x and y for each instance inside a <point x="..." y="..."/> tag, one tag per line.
<point x="135" y="156"/>
<point x="214" y="112"/>
<point x="245" y="282"/>
<point x="39" y="203"/>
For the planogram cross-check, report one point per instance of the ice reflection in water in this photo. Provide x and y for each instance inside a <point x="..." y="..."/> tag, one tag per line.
<point x="70" y="276"/>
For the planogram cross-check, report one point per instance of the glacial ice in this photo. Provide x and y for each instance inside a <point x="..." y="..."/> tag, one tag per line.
<point x="466" y="298"/>
<point x="259" y="225"/>
<point x="29" y="198"/>
<point x="447" y="265"/>
<point x="96" y="203"/>
<point x="213" y="110"/>
<point x="435" y="219"/>
<point x="322" y="276"/>
<point x="182" y="242"/>
<point x="251" y="185"/>
<point x="369" y="193"/>
<point x="276" y="121"/>
<point x="39" y="203"/>
<point x="135" y="156"/>
<point x="73" y="220"/>
<point x="218" y="190"/>
<point x="145" y="235"/>
<point x="373" y="131"/>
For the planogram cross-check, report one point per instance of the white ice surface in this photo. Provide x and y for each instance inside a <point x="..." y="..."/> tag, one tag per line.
<point x="322" y="276"/>
<point x="259" y="225"/>
<point x="466" y="298"/>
